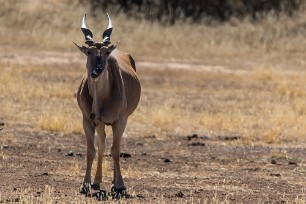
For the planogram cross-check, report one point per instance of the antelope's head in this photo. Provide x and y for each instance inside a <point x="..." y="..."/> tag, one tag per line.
<point x="97" y="52"/>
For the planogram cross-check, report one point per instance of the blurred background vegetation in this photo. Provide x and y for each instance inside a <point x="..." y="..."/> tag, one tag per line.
<point x="163" y="28"/>
<point x="169" y="11"/>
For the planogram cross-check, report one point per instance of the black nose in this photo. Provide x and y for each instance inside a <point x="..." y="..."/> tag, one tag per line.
<point x="96" y="72"/>
<point x="94" y="75"/>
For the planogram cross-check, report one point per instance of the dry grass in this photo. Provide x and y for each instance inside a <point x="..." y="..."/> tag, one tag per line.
<point x="264" y="105"/>
<point x="40" y="102"/>
<point x="261" y="105"/>
<point x="60" y="123"/>
<point x="54" y="24"/>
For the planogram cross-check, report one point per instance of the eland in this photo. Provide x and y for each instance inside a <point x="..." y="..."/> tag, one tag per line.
<point x="108" y="94"/>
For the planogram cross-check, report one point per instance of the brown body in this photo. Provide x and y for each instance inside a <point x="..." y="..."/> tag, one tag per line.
<point x="108" y="99"/>
<point x="122" y="96"/>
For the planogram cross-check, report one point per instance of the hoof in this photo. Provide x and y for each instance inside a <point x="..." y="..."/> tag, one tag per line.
<point x="119" y="193"/>
<point x="100" y="195"/>
<point x="85" y="188"/>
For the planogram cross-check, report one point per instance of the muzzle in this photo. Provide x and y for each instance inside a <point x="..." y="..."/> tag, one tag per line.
<point x="96" y="72"/>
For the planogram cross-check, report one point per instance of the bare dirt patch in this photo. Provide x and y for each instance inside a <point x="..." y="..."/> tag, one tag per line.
<point x="173" y="169"/>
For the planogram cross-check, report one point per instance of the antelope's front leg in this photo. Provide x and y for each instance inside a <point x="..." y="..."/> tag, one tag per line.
<point x="118" y="129"/>
<point x="101" y="148"/>
<point x="89" y="130"/>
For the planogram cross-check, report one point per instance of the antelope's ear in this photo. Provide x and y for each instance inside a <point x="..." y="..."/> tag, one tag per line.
<point x="112" y="47"/>
<point x="82" y="48"/>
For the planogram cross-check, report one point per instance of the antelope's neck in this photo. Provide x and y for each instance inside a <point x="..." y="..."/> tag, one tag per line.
<point x="99" y="91"/>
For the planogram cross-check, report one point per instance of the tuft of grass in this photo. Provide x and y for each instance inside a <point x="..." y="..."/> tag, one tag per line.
<point x="271" y="136"/>
<point x="131" y="172"/>
<point x="46" y="197"/>
<point x="75" y="169"/>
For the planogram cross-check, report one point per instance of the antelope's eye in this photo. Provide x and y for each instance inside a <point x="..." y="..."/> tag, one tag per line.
<point x="107" y="53"/>
<point x="88" y="52"/>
